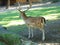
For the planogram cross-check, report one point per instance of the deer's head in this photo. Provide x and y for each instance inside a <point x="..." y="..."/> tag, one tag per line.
<point x="22" y="10"/>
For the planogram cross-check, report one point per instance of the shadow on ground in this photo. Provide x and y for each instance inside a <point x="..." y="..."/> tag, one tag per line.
<point x="52" y="31"/>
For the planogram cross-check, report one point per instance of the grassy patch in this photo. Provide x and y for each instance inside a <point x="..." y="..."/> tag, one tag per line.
<point x="11" y="20"/>
<point x="9" y="38"/>
<point x="12" y="16"/>
<point x="44" y="11"/>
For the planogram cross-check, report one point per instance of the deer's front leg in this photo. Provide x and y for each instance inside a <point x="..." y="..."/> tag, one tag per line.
<point x="32" y="31"/>
<point x="29" y="32"/>
<point x="43" y="34"/>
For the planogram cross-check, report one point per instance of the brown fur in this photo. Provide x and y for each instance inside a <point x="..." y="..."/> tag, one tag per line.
<point x="36" y="22"/>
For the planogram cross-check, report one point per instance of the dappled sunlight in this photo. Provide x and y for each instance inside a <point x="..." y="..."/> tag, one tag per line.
<point x="8" y="11"/>
<point x="12" y="12"/>
<point x="52" y="16"/>
<point x="42" y="8"/>
<point x="52" y="11"/>
<point x="10" y="17"/>
<point x="4" y="22"/>
<point x="15" y="23"/>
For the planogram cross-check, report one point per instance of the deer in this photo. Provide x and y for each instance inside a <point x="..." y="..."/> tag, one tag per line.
<point x="32" y="22"/>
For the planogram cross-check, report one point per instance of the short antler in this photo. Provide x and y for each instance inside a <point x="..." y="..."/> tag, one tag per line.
<point x="19" y="9"/>
<point x="30" y="4"/>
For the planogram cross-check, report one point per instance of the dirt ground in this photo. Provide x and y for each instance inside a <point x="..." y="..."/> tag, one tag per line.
<point x="52" y="32"/>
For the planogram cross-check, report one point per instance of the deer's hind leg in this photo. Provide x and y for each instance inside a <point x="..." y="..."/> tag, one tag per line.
<point x="29" y="32"/>
<point x="32" y="32"/>
<point x="43" y="34"/>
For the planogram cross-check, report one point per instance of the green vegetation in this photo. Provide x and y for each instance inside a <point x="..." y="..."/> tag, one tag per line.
<point x="10" y="38"/>
<point x="11" y="20"/>
<point x="44" y="11"/>
<point x="13" y="15"/>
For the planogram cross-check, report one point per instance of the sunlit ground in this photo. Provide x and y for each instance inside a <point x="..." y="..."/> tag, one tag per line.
<point x="11" y="17"/>
<point x="14" y="23"/>
<point x="21" y="22"/>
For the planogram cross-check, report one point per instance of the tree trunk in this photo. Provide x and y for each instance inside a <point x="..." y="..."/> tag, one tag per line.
<point x="8" y="4"/>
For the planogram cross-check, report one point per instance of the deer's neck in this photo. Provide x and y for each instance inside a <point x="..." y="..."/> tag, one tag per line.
<point x="24" y="16"/>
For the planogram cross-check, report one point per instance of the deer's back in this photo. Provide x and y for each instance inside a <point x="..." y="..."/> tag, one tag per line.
<point x="35" y="21"/>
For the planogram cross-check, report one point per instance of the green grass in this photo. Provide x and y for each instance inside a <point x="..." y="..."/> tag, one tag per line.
<point x="10" y="19"/>
<point x="9" y="38"/>
<point x="6" y="17"/>
<point x="45" y="11"/>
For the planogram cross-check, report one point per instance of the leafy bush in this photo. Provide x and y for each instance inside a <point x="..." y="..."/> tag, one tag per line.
<point x="8" y="37"/>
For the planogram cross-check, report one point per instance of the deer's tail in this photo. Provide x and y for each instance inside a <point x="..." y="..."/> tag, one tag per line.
<point x="43" y="20"/>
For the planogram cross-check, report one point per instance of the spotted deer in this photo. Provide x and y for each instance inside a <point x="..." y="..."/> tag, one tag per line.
<point x="33" y="22"/>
